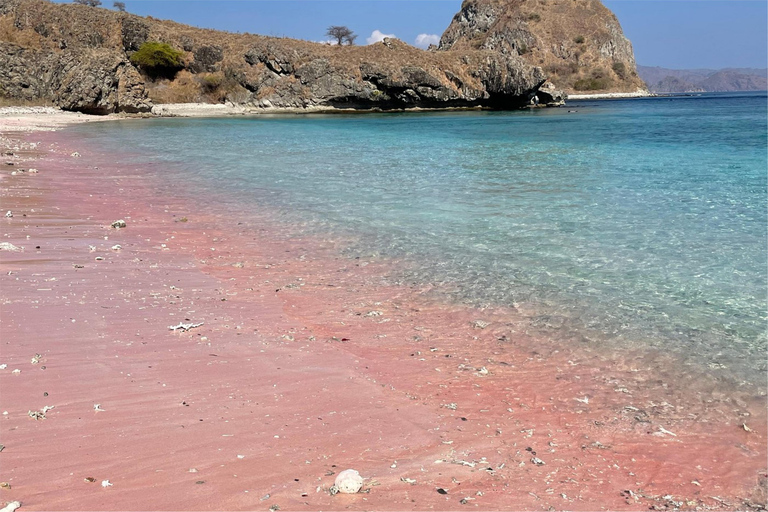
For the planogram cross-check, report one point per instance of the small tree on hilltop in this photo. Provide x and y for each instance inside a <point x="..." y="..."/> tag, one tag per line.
<point x="89" y="3"/>
<point x="120" y="6"/>
<point x="341" y="34"/>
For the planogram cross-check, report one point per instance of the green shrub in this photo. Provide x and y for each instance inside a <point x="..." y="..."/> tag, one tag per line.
<point x="158" y="59"/>
<point x="534" y="17"/>
<point x="578" y="39"/>
<point x="620" y="69"/>
<point x="522" y="49"/>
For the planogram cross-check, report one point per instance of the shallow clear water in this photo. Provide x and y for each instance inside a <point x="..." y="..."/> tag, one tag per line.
<point x="635" y="221"/>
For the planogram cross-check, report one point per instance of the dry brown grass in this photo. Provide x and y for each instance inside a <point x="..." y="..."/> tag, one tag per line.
<point x="183" y="89"/>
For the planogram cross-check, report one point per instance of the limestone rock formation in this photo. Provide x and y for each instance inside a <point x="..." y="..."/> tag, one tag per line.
<point x="578" y="43"/>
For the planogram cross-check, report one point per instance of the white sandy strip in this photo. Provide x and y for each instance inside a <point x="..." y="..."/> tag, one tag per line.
<point x="640" y="93"/>
<point x="32" y="119"/>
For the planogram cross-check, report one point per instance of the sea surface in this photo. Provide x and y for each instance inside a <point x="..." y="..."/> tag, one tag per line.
<point x="637" y="222"/>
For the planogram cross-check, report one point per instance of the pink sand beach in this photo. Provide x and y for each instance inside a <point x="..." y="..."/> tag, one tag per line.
<point x="299" y="363"/>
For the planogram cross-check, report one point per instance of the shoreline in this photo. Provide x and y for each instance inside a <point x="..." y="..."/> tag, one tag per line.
<point x="305" y="365"/>
<point x="612" y="95"/>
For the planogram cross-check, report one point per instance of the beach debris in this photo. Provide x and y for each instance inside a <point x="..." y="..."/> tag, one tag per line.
<point x="40" y="415"/>
<point x="374" y="313"/>
<point x="10" y="507"/>
<point x="2" y="447"/>
<point x="408" y="480"/>
<point x="118" y="224"/>
<point x="584" y="400"/>
<point x="274" y="508"/>
<point x="33" y="171"/>
<point x="241" y="456"/>
<point x="99" y="258"/>
<point x="76" y="265"/>
<point x="238" y="264"/>
<point x="9" y="214"/>
<point x="117" y="247"/>
<point x="75" y="155"/>
<point x="3" y="366"/>
<point x="265" y="497"/>
<point x="7" y="246"/>
<point x="97" y="408"/>
<point x="440" y="490"/>
<point x="106" y="483"/>
<point x="663" y="431"/>
<point x="537" y="461"/>
<point x="745" y="427"/>
<point x="452" y="406"/>
<point x="480" y="324"/>
<point x="89" y="479"/>
<point x="36" y="358"/>
<point x="192" y="470"/>
<point x="5" y="485"/>
<point x="184" y="327"/>
<point x="16" y="371"/>
<point x="483" y="371"/>
<point x="348" y="481"/>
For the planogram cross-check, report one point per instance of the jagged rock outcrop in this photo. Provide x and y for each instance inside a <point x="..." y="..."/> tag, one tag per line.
<point x="578" y="43"/>
<point x="79" y="57"/>
<point x="91" y="81"/>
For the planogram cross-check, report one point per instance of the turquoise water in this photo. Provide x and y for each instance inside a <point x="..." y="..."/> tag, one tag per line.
<point x="633" y="221"/>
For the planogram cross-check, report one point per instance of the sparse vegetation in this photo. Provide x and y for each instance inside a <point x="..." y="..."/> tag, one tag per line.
<point x="578" y="39"/>
<point x="158" y="59"/>
<point x="120" y="6"/>
<point x="597" y="81"/>
<point x="89" y="3"/>
<point x="341" y="34"/>
<point x="534" y="17"/>
<point x="620" y="69"/>
<point x="210" y="82"/>
<point x="522" y="49"/>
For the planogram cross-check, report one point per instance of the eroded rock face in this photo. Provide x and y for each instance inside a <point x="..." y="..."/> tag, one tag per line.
<point x="78" y="57"/>
<point x="579" y="43"/>
<point x="92" y="81"/>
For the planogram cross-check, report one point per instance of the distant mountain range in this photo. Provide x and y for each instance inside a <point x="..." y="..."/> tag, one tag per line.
<point x="661" y="80"/>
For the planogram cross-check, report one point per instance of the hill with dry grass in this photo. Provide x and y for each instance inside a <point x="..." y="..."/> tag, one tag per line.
<point x="579" y="44"/>
<point x="85" y="59"/>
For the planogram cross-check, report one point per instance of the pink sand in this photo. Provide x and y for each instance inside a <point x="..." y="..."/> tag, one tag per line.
<point x="307" y="365"/>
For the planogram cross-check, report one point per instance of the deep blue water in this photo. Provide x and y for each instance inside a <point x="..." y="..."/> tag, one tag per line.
<point x="634" y="221"/>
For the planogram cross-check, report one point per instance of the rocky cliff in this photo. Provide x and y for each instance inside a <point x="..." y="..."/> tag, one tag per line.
<point x="496" y="54"/>
<point x="578" y="43"/>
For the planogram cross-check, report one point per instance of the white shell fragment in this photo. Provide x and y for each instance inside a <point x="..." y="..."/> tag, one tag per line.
<point x="9" y="214"/>
<point x="10" y="507"/>
<point x="118" y="224"/>
<point x="184" y="327"/>
<point x="7" y="246"/>
<point x="106" y="483"/>
<point x="349" y="481"/>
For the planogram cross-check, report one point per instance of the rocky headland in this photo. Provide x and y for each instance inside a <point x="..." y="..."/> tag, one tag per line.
<point x="500" y="54"/>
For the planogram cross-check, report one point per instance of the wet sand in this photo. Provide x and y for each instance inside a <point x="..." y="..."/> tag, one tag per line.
<point x="308" y="363"/>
